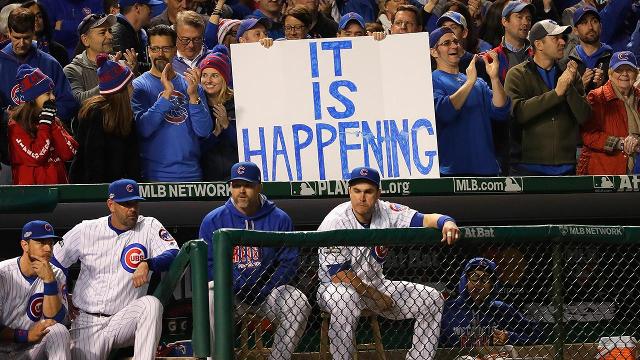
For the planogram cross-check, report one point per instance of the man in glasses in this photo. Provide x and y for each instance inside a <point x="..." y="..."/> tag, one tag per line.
<point x="191" y="49"/>
<point x="171" y="114"/>
<point x="465" y="106"/>
<point x="475" y="318"/>
<point x="128" y="32"/>
<point x="407" y="19"/>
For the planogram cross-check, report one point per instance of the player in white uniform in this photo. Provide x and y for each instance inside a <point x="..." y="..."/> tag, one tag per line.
<point x="33" y="304"/>
<point x="117" y="255"/>
<point x="351" y="278"/>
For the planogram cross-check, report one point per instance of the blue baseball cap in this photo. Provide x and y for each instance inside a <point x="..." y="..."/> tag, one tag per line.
<point x="124" y="3"/>
<point x="250" y="23"/>
<point x="346" y="18"/>
<point x="581" y="12"/>
<point x="516" y="7"/>
<point x="365" y="173"/>
<point x="246" y="171"/>
<point x="623" y="58"/>
<point x="456" y="17"/>
<point x="38" y="229"/>
<point x="480" y="263"/>
<point x="436" y="34"/>
<point x="124" y="190"/>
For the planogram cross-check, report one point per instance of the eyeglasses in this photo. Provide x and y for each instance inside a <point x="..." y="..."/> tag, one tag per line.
<point x="449" y="42"/>
<point x="290" y="28"/>
<point x="164" y="49"/>
<point x="186" y="40"/>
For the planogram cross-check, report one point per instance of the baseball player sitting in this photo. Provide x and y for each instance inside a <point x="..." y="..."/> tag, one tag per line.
<point x="33" y="303"/>
<point x="352" y="278"/>
<point x="260" y="274"/>
<point x="117" y="254"/>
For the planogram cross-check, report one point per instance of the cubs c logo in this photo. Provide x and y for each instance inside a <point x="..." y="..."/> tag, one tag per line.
<point x="623" y="55"/>
<point x="132" y="256"/>
<point x="34" y="307"/>
<point x="379" y="253"/>
<point x="129" y="188"/>
<point x="48" y="227"/>
<point x="396" y="207"/>
<point x="240" y="170"/>
<point x="86" y="11"/>
<point x="178" y="112"/>
<point x="364" y="172"/>
<point x="16" y="96"/>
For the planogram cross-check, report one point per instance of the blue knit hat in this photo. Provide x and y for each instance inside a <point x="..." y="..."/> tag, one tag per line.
<point x="112" y="76"/>
<point x="32" y="82"/>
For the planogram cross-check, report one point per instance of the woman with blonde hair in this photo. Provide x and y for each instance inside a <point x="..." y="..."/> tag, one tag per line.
<point x="39" y="143"/>
<point x="106" y="132"/>
<point x="611" y="135"/>
<point x="220" y="148"/>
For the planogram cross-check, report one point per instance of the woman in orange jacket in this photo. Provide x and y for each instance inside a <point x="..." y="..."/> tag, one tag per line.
<point x="38" y="143"/>
<point x="611" y="136"/>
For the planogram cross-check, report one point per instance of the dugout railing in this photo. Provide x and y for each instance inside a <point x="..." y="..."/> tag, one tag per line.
<point x="577" y="282"/>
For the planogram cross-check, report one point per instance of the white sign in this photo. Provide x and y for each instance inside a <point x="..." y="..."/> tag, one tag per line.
<point x="315" y="109"/>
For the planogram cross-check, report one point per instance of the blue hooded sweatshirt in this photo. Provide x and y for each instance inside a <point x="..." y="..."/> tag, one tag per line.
<point x="256" y="270"/>
<point x="465" y="324"/>
<point x="9" y="63"/>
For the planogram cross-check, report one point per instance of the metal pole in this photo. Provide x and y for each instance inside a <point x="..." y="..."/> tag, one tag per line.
<point x="223" y="296"/>
<point x="200" y="335"/>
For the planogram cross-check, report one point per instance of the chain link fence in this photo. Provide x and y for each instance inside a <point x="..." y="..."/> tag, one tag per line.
<point x="495" y="294"/>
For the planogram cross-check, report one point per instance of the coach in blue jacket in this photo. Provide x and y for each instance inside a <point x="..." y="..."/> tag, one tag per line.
<point x="260" y="274"/>
<point x="476" y="318"/>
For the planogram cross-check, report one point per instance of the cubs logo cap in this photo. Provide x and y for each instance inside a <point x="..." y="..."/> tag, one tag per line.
<point x="125" y="3"/>
<point x="581" y="12"/>
<point x="456" y="17"/>
<point x="623" y="58"/>
<point x="480" y="263"/>
<point x="38" y="229"/>
<point x="246" y="171"/>
<point x="365" y="173"/>
<point x="349" y="17"/>
<point x="250" y="23"/>
<point x="516" y="7"/>
<point x="124" y="190"/>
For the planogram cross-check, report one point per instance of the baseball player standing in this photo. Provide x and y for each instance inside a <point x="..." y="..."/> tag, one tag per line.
<point x="33" y="303"/>
<point x="352" y="278"/>
<point x="260" y="274"/>
<point x="117" y="253"/>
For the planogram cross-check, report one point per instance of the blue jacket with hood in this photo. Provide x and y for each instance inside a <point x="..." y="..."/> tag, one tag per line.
<point x="465" y="324"/>
<point x="9" y="63"/>
<point x="256" y="270"/>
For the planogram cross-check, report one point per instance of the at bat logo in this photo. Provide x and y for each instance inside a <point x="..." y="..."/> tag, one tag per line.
<point x="34" y="306"/>
<point x="132" y="256"/>
<point x="379" y="253"/>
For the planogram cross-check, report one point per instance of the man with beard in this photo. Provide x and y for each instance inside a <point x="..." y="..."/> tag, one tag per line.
<point x="171" y="114"/>
<point x="117" y="255"/>
<point x="33" y="299"/>
<point x="128" y="32"/>
<point x="43" y="33"/>
<point x="96" y="37"/>
<point x="591" y="55"/>
<point x="22" y="50"/>
<point x="548" y="106"/>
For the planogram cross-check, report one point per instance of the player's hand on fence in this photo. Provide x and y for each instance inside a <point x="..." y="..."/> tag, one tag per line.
<point x="39" y="330"/>
<point x="141" y="275"/>
<point x="500" y="337"/>
<point x="42" y="268"/>
<point x="450" y="232"/>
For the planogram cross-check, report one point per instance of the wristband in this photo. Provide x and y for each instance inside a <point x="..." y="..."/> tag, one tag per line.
<point x="443" y="219"/>
<point x="21" y="336"/>
<point x="51" y="288"/>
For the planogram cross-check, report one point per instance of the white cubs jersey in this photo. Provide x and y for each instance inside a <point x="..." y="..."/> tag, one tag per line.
<point x="108" y="261"/>
<point x="21" y="297"/>
<point x="366" y="262"/>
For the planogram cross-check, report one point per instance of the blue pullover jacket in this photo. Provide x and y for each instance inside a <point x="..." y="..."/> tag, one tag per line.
<point x="467" y="324"/>
<point x="9" y="63"/>
<point x="256" y="270"/>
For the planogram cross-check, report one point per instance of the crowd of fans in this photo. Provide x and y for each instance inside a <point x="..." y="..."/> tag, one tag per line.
<point x="97" y="90"/>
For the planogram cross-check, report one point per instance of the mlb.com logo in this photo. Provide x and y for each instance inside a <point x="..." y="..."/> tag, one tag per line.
<point x="132" y="256"/>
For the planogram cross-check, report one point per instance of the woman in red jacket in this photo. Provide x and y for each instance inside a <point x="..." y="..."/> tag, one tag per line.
<point x="38" y="143"/>
<point x="611" y="135"/>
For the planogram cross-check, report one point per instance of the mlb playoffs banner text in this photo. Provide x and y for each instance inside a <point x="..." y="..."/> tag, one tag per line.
<point x="314" y="109"/>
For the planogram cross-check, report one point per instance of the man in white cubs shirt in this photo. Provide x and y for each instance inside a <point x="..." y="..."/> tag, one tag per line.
<point x="33" y="305"/>
<point x="352" y="278"/>
<point x="117" y="254"/>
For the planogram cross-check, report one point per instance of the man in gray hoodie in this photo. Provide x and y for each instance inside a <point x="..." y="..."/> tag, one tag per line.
<point x="95" y="37"/>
